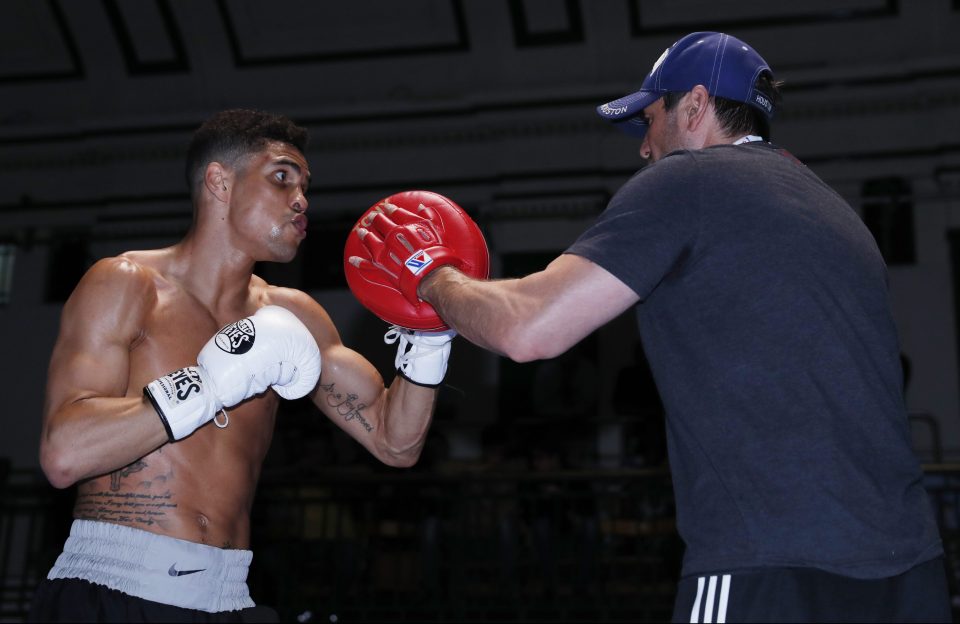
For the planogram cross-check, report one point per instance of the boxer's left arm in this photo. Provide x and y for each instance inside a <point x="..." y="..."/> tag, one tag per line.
<point x="390" y="422"/>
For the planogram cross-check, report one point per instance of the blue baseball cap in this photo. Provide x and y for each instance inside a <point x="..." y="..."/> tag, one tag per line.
<point x="726" y="66"/>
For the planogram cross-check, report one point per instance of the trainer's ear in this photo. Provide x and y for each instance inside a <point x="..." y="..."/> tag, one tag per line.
<point x="216" y="180"/>
<point x="695" y="106"/>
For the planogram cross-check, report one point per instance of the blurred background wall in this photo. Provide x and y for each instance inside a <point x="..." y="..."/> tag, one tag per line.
<point x="489" y="102"/>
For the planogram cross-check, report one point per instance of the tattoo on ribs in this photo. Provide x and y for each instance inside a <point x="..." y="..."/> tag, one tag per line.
<point x="347" y="406"/>
<point x="116" y="475"/>
<point x="124" y="507"/>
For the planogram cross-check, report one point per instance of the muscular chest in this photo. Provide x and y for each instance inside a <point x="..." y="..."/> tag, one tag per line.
<point x="173" y="335"/>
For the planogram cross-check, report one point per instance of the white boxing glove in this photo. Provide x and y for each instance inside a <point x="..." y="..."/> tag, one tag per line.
<point x="421" y="356"/>
<point x="272" y="348"/>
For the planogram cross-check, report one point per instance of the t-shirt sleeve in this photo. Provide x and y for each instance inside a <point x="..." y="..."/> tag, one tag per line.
<point x="649" y="227"/>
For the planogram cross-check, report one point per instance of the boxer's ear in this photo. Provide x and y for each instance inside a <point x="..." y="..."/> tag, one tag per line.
<point x="215" y="180"/>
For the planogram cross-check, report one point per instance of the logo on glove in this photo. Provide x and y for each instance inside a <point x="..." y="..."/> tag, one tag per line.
<point x="180" y="384"/>
<point x="237" y="338"/>
<point x="418" y="262"/>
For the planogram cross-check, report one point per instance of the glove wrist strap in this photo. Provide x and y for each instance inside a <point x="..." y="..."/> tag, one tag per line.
<point x="415" y="382"/>
<point x="421" y="357"/>
<point x="184" y="401"/>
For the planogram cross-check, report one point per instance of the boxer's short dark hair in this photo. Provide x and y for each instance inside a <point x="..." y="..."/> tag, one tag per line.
<point x="231" y="135"/>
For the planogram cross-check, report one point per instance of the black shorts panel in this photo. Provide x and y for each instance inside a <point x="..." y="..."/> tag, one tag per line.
<point x="77" y="600"/>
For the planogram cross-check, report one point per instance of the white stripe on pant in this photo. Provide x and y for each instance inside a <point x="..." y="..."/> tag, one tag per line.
<point x="710" y="598"/>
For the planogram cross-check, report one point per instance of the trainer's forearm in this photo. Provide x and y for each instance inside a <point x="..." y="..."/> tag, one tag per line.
<point x="537" y="316"/>
<point x="487" y="313"/>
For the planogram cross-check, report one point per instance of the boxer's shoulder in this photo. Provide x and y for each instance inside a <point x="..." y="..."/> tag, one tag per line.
<point x="124" y="269"/>
<point x="128" y="274"/>
<point x="114" y="283"/>
<point x="104" y="318"/>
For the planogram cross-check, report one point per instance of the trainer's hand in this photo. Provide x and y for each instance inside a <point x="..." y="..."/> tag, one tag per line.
<point x="272" y="348"/>
<point x="399" y="241"/>
<point x="421" y="356"/>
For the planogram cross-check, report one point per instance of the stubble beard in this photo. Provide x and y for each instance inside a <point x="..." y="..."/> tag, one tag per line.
<point x="672" y="140"/>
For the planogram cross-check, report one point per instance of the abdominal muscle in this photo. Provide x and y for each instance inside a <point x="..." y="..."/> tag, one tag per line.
<point x="198" y="489"/>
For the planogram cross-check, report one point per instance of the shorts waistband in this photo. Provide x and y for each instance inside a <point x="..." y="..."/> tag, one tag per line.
<point x="156" y="567"/>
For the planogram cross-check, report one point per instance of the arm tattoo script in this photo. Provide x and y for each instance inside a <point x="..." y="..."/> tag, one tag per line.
<point x="346" y="405"/>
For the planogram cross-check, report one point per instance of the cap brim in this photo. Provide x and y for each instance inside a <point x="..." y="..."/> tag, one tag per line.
<point x="635" y="127"/>
<point x="626" y="113"/>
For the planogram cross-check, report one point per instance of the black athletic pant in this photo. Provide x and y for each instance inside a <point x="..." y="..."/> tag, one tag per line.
<point x="809" y="595"/>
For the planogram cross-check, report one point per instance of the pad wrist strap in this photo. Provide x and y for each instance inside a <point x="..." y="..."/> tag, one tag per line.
<point x="409" y="281"/>
<point x="421" y="357"/>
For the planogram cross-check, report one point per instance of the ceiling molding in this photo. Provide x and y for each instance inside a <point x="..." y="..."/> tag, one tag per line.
<point x="74" y="69"/>
<point x="799" y="14"/>
<point x="244" y="58"/>
<point x="526" y="33"/>
<point x="132" y="41"/>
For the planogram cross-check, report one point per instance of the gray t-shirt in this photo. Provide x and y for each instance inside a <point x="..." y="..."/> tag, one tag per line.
<point x="765" y="317"/>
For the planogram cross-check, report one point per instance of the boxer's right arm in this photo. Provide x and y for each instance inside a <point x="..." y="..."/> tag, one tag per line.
<point x="90" y="426"/>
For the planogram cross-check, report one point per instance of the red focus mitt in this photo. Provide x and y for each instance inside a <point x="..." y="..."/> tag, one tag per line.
<point x="400" y="240"/>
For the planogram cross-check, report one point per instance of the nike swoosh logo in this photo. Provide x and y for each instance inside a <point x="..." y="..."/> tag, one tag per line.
<point x="173" y="571"/>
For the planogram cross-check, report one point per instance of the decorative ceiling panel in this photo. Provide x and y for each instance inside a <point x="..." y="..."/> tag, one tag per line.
<point x="286" y="31"/>
<point x="679" y="16"/>
<point x="546" y="22"/>
<point x="148" y="36"/>
<point x="35" y="43"/>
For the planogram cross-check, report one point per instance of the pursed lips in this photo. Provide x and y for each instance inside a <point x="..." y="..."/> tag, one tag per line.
<point x="300" y="222"/>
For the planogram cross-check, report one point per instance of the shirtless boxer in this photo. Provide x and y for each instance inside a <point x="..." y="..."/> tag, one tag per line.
<point x="162" y="517"/>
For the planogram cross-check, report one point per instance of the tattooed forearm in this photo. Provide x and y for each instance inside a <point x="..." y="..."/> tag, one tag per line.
<point x="125" y="508"/>
<point x="346" y="405"/>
